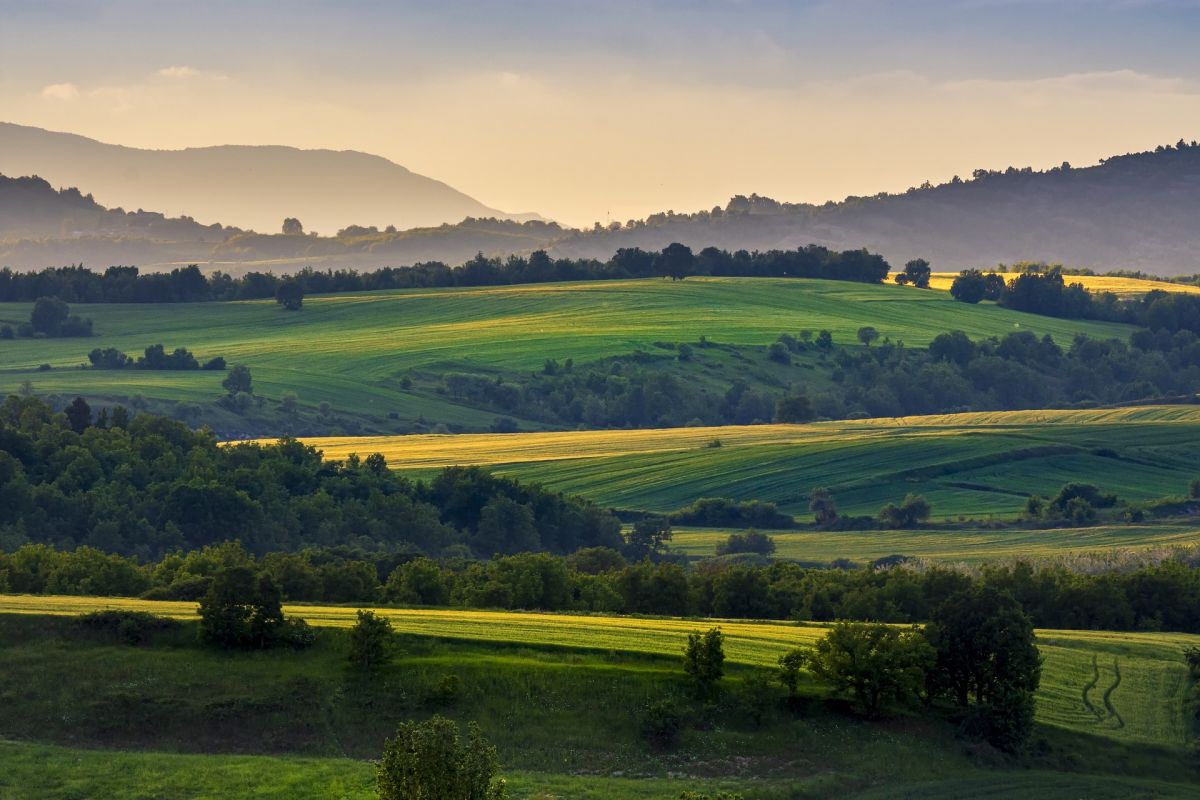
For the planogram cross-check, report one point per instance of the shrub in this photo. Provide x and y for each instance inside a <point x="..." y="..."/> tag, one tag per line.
<point x="748" y="542"/>
<point x="427" y="760"/>
<point x="661" y="722"/>
<point x="127" y="627"/>
<point x="369" y="640"/>
<point x="704" y="659"/>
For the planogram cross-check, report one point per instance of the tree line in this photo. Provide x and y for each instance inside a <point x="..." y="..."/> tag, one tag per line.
<point x="122" y="284"/>
<point x="146" y="485"/>
<point x="1152" y="596"/>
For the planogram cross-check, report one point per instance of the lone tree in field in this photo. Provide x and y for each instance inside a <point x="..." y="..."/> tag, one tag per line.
<point x="867" y="334"/>
<point x="876" y="663"/>
<point x="704" y="659"/>
<point x="823" y="507"/>
<point x="369" y="640"/>
<point x="242" y="609"/>
<point x="431" y="761"/>
<point x="292" y="227"/>
<point x="238" y="380"/>
<point x="987" y="653"/>
<point x="290" y="295"/>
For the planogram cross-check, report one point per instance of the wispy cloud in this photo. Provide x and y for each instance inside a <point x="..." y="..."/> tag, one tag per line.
<point x="61" y="91"/>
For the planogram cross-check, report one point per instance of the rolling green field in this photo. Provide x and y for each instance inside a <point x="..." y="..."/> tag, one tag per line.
<point x="968" y="546"/>
<point x="353" y="350"/>
<point x="974" y="465"/>
<point x="1122" y="686"/>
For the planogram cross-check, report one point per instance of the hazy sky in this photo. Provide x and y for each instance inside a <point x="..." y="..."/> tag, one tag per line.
<point x="588" y="110"/>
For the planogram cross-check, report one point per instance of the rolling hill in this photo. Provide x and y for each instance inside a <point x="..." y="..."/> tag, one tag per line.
<point x="355" y="351"/>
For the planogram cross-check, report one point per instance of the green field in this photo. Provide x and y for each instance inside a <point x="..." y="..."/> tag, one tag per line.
<point x="1145" y="705"/>
<point x="969" y="546"/>
<point x="353" y="350"/>
<point x="975" y="465"/>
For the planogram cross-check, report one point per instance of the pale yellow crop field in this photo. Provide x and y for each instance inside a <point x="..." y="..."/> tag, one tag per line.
<point x="1125" y="287"/>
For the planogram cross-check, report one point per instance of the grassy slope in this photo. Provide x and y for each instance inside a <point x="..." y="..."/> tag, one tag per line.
<point x="974" y="464"/>
<point x="1147" y="701"/>
<point x="352" y="350"/>
<point x="967" y="546"/>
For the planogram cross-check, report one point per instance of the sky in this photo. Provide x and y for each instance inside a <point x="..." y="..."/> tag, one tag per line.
<point x="600" y="110"/>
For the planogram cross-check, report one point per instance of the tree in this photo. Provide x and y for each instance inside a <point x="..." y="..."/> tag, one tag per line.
<point x="48" y="315"/>
<point x="369" y="640"/>
<point x="675" y="261"/>
<point x="987" y="652"/>
<point x="242" y="609"/>
<point x="238" y="380"/>
<point x="704" y="659"/>
<point x="648" y="537"/>
<point x="292" y="227"/>
<point x="290" y="295"/>
<point x="876" y="663"/>
<point x="916" y="272"/>
<point x="823" y="507"/>
<point x="867" y="334"/>
<point x="79" y="415"/>
<point x="794" y="409"/>
<point x="790" y="664"/>
<point x="914" y="509"/>
<point x="969" y="287"/>
<point x="431" y="761"/>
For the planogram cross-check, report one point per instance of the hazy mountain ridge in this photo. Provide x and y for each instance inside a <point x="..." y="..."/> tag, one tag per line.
<point x="1135" y="211"/>
<point x="250" y="186"/>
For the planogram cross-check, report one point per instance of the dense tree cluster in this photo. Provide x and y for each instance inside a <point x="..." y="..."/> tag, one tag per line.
<point x="1161" y="596"/>
<point x="148" y="485"/>
<point x="77" y="284"/>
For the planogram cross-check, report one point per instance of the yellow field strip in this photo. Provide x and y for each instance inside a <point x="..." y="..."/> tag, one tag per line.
<point x="439" y="450"/>
<point x="1093" y="283"/>
<point x="746" y="642"/>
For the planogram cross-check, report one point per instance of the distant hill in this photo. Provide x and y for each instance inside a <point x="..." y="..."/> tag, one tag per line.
<point x="1135" y="211"/>
<point x="252" y="187"/>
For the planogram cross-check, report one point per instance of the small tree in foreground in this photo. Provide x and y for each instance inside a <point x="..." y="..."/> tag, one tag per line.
<point x="369" y="640"/>
<point x="704" y="659"/>
<point x="428" y="760"/>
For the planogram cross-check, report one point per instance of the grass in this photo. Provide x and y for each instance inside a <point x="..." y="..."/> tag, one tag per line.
<point x="1148" y="699"/>
<point x="970" y="546"/>
<point x="975" y="464"/>
<point x="353" y="350"/>
<point x="1125" y="287"/>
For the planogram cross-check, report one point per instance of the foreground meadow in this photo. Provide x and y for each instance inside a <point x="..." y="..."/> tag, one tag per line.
<point x="1124" y="686"/>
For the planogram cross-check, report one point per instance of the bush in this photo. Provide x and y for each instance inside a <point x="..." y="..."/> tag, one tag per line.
<point x="127" y="627"/>
<point x="661" y="723"/>
<point x="748" y="542"/>
<point x="704" y="659"/>
<point x="369" y="640"/>
<point x="427" y="760"/>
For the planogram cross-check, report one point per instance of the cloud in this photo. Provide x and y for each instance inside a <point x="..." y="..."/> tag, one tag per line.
<point x="61" y="91"/>
<point x="179" y="72"/>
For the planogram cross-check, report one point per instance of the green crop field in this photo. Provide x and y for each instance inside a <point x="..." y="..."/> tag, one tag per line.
<point x="353" y="350"/>
<point x="974" y="465"/>
<point x="1122" y="686"/>
<point x="969" y="546"/>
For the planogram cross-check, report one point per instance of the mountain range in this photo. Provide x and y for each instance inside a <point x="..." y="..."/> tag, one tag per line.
<point x="1130" y="212"/>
